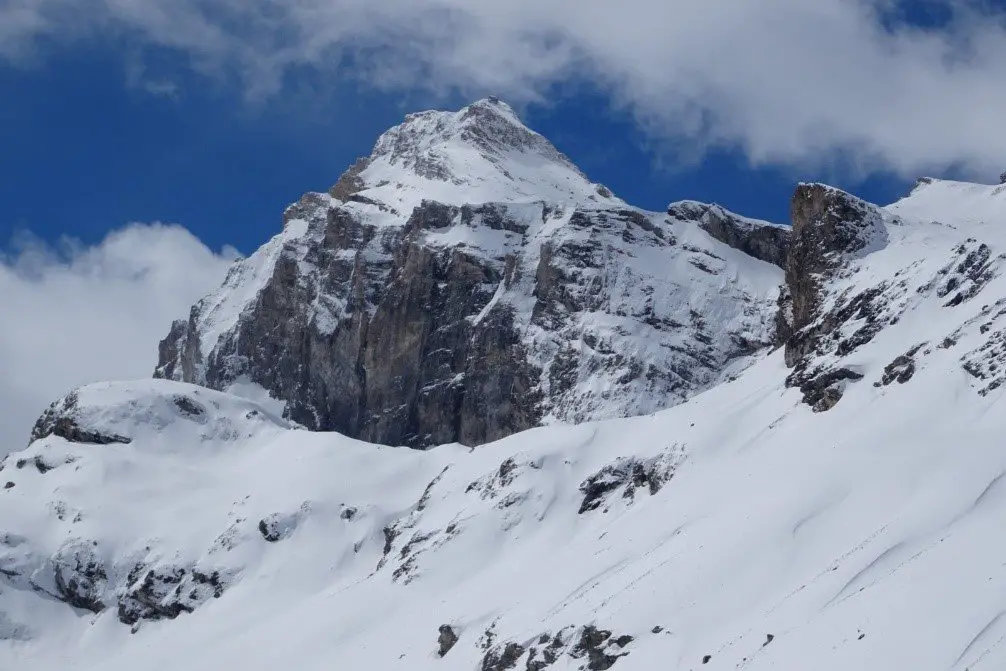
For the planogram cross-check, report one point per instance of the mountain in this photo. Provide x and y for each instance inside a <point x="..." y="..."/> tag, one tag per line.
<point x="759" y="525"/>
<point x="834" y="505"/>
<point x="466" y="281"/>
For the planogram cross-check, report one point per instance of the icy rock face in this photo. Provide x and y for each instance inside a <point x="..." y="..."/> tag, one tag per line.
<point x="760" y="239"/>
<point x="857" y="271"/>
<point x="402" y="308"/>
<point x="830" y="227"/>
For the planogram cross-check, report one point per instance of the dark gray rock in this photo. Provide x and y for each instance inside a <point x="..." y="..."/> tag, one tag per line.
<point x="761" y="240"/>
<point x="600" y="649"/>
<point x="467" y="323"/>
<point x="822" y="390"/>
<point x="502" y="657"/>
<point x="628" y="474"/>
<point x="60" y="419"/>
<point x="79" y="576"/>
<point x="407" y="365"/>
<point x="165" y="592"/>
<point x="901" y="370"/>
<point x="350" y="183"/>
<point x="179" y="351"/>
<point x="591" y="648"/>
<point x="380" y="335"/>
<point x="447" y="639"/>
<point x="829" y="228"/>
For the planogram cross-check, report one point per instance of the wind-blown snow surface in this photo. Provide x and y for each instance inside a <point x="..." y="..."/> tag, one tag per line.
<point x="739" y="530"/>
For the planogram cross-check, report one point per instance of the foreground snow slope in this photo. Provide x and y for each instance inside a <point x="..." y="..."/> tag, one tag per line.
<point x="740" y="530"/>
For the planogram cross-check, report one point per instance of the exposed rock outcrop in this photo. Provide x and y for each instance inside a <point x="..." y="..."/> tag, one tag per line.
<point x="588" y="647"/>
<point x="760" y="239"/>
<point x="830" y="227"/>
<point x="79" y="576"/>
<point x="446" y="640"/>
<point x="61" y="419"/>
<point x="403" y="320"/>
<point x="629" y="474"/>
<point x="165" y="592"/>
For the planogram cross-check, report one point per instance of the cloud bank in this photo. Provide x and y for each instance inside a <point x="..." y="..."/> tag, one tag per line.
<point x="785" y="81"/>
<point x="78" y="314"/>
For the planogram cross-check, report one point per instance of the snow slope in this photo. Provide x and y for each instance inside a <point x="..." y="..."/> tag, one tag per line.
<point x="739" y="530"/>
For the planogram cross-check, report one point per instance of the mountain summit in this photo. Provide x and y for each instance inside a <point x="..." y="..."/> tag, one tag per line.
<point x="466" y="281"/>
<point x="482" y="153"/>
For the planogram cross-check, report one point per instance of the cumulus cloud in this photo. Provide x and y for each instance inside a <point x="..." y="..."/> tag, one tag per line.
<point x="786" y="81"/>
<point x="75" y="314"/>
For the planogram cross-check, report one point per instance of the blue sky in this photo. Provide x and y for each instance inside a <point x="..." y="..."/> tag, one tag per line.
<point x="85" y="151"/>
<point x="100" y="133"/>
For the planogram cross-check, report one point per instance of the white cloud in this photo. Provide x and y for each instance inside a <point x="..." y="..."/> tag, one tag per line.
<point x="787" y="81"/>
<point x="79" y="314"/>
<point x="137" y="77"/>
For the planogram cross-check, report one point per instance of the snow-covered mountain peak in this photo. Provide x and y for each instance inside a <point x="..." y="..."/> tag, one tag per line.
<point x="481" y="153"/>
<point x="812" y="508"/>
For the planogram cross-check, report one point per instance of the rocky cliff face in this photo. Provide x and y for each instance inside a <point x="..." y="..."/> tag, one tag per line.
<point x="856" y="270"/>
<point x="760" y="239"/>
<point x="466" y="282"/>
<point x="830" y="228"/>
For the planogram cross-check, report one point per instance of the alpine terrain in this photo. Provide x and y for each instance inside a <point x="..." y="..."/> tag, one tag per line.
<point x="680" y="440"/>
<point x="466" y="282"/>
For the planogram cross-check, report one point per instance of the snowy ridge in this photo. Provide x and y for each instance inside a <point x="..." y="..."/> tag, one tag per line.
<point x="482" y="153"/>
<point x="954" y="203"/>
<point x="692" y="209"/>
